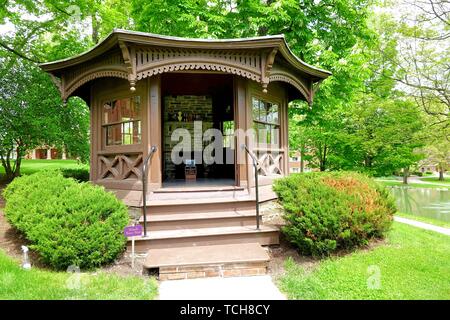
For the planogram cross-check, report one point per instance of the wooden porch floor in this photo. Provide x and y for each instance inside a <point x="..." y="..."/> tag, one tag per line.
<point x="194" y="194"/>
<point x="201" y="184"/>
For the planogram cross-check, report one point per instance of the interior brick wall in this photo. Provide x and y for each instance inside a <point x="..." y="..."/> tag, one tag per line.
<point x="180" y="112"/>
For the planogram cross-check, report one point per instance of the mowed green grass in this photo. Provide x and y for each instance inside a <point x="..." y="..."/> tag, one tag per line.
<point x="435" y="222"/>
<point x="436" y="180"/>
<point x="18" y="284"/>
<point x="411" y="185"/>
<point x="32" y="166"/>
<point x="413" y="264"/>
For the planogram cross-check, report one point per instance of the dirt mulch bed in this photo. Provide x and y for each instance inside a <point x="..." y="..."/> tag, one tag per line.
<point x="272" y="212"/>
<point x="279" y="254"/>
<point x="11" y="240"/>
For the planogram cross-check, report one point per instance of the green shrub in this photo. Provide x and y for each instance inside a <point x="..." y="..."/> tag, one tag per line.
<point x="325" y="212"/>
<point x="79" y="174"/>
<point x="67" y="223"/>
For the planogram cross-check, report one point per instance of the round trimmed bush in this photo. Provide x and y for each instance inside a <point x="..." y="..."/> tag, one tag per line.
<point x="67" y="223"/>
<point x="79" y="174"/>
<point x="325" y="212"/>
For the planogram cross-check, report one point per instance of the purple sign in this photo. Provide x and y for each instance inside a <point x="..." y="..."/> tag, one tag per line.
<point x="133" y="231"/>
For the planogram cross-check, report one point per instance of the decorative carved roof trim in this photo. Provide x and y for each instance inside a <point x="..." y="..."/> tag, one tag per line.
<point x="275" y="41"/>
<point x="86" y="77"/>
<point x="136" y="55"/>
<point x="199" y="66"/>
<point x="130" y="64"/>
<point x="284" y="76"/>
<point x="152" y="61"/>
<point x="267" y="61"/>
<point x="58" y="83"/>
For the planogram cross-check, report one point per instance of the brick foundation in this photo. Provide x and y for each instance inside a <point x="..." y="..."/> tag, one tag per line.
<point x="203" y="271"/>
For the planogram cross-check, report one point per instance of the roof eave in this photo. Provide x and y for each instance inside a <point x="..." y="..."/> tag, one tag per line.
<point x="111" y="40"/>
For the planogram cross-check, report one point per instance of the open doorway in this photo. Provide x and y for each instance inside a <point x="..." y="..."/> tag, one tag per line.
<point x="206" y="100"/>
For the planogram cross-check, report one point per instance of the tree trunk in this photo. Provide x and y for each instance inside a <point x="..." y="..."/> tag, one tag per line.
<point x="18" y="164"/>
<point x="6" y="163"/>
<point x="441" y="174"/>
<point x="95" y="38"/>
<point x="302" y="162"/>
<point x="405" y="175"/>
<point x="323" y="160"/>
<point x="5" y="166"/>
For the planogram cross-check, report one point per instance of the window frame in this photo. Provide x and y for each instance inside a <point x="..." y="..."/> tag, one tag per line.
<point x="104" y="126"/>
<point x="275" y="125"/>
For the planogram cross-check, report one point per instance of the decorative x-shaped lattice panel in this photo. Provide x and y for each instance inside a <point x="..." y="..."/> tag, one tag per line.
<point x="269" y="164"/>
<point x="121" y="167"/>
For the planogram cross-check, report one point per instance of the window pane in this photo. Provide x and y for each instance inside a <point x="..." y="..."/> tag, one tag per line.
<point x="113" y="135"/>
<point x="272" y="113"/>
<point x="275" y="135"/>
<point x="137" y="133"/>
<point x="122" y="110"/>
<point x="266" y="122"/>
<point x="228" y="134"/>
<point x="256" y="131"/>
<point x="261" y="133"/>
<point x="262" y="111"/>
<point x="255" y="108"/>
<point x="123" y="133"/>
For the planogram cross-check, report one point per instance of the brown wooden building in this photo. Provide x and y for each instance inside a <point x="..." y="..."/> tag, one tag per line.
<point x="141" y="87"/>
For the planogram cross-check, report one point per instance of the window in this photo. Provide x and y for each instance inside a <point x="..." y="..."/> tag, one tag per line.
<point x="228" y="134"/>
<point x="122" y="121"/>
<point x="266" y="122"/>
<point x="294" y="159"/>
<point x="295" y="170"/>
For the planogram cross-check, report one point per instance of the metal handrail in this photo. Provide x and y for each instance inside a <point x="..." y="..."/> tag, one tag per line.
<point x="255" y="166"/>
<point x="144" y="186"/>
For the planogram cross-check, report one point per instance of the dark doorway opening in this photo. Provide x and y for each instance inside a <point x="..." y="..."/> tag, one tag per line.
<point x="189" y="99"/>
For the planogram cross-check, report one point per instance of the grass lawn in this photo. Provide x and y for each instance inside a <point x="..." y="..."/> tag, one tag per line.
<point x="411" y="185"/>
<point x="393" y="178"/>
<point x="32" y="166"/>
<point x="414" y="264"/>
<point x="424" y="219"/>
<point x="436" y="180"/>
<point x="18" y="284"/>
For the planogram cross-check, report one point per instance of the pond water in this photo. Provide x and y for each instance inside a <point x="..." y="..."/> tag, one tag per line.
<point x="424" y="202"/>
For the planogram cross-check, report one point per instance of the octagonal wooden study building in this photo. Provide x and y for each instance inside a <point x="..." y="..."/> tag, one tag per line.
<point x="141" y="88"/>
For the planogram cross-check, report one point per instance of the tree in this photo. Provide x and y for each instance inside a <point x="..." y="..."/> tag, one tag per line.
<point x="74" y="129"/>
<point x="28" y="115"/>
<point x="356" y="121"/>
<point x="439" y="155"/>
<point x="32" y="115"/>
<point x="390" y="132"/>
<point x="425" y="60"/>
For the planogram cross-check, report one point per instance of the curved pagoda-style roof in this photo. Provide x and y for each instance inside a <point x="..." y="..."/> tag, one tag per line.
<point x="137" y="55"/>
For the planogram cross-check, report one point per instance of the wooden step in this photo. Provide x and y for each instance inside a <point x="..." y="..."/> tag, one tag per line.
<point x="199" y="205"/>
<point x="189" y="195"/>
<point x="133" y="198"/>
<point x="174" y="221"/>
<point x="208" y="261"/>
<point x="266" y="235"/>
<point x="188" y="189"/>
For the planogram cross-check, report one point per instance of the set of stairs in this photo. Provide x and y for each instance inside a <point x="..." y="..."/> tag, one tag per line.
<point x="182" y="226"/>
